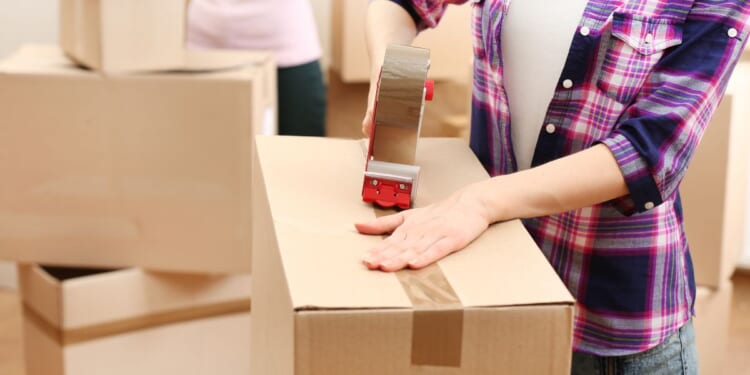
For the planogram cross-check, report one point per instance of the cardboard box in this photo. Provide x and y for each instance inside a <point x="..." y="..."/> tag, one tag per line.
<point x="495" y="307"/>
<point x="714" y="198"/>
<point x="712" y="313"/>
<point x="450" y="44"/>
<point x="131" y="170"/>
<point x="129" y="321"/>
<point x="124" y="35"/>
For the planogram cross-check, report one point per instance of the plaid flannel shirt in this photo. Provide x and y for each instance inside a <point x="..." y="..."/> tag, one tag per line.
<point x="642" y="77"/>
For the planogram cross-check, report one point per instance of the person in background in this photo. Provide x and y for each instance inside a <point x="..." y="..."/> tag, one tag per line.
<point x="608" y="100"/>
<point x="285" y="27"/>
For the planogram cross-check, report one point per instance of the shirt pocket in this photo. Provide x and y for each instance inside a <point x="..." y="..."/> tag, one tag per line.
<point x="637" y="44"/>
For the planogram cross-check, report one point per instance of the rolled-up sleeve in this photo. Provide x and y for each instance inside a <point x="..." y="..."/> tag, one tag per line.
<point x="656" y="138"/>
<point x="426" y="13"/>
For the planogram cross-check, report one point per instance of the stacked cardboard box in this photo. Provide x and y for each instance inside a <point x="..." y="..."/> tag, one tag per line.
<point x="138" y="169"/>
<point x="714" y="194"/>
<point x="495" y="307"/>
<point x="124" y="36"/>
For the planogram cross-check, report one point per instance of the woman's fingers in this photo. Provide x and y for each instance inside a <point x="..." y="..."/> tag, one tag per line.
<point x="367" y="123"/>
<point x="438" y="250"/>
<point x="381" y="225"/>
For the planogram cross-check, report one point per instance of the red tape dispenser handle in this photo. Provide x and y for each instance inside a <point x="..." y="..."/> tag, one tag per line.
<point x="391" y="175"/>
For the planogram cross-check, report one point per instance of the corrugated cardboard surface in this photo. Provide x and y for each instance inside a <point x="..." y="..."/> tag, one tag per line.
<point x="124" y="35"/>
<point x="450" y="44"/>
<point x="714" y="197"/>
<point x="712" y="310"/>
<point x="148" y="170"/>
<point x="314" y="285"/>
<point x="167" y="339"/>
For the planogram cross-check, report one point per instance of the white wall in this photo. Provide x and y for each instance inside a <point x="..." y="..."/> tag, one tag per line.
<point x="322" y="10"/>
<point x="739" y="87"/>
<point x="27" y="21"/>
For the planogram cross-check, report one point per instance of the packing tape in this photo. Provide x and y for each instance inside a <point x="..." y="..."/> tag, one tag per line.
<point x="438" y="318"/>
<point x="75" y="336"/>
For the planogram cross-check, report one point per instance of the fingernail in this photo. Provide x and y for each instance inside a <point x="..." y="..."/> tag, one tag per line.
<point x="413" y="262"/>
<point x="368" y="259"/>
<point x="388" y="264"/>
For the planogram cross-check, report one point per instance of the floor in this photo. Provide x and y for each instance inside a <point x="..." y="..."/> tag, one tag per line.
<point x="739" y="341"/>
<point x="11" y="359"/>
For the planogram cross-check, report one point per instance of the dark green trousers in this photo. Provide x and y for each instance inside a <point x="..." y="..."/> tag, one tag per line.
<point x="302" y="100"/>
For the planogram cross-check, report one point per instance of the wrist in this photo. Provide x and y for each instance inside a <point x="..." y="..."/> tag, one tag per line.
<point x="483" y="198"/>
<point x="496" y="196"/>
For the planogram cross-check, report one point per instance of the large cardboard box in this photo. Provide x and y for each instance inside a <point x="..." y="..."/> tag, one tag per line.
<point x="495" y="307"/>
<point x="124" y="35"/>
<point x="131" y="170"/>
<point x="450" y="44"/>
<point x="92" y="322"/>
<point x="713" y="309"/>
<point x="714" y="198"/>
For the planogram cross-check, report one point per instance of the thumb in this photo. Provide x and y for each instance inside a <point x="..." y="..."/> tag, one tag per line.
<point x="381" y="225"/>
<point x="367" y="123"/>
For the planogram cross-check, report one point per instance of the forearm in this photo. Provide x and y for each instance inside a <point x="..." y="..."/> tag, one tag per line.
<point x="579" y="180"/>
<point x="386" y="23"/>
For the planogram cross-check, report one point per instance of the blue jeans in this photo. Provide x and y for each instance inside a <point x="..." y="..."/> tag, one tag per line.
<point x="675" y="356"/>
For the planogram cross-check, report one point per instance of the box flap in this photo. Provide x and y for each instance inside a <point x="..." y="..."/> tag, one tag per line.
<point x="41" y="293"/>
<point x="133" y="293"/>
<point x="314" y="188"/>
<point x="50" y="59"/>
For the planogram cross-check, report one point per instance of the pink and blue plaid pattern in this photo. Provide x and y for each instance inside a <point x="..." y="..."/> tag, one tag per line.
<point x="644" y="80"/>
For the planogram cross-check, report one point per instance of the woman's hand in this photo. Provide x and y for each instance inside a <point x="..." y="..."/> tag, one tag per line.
<point x="367" y="122"/>
<point x="422" y="236"/>
<point x="425" y="235"/>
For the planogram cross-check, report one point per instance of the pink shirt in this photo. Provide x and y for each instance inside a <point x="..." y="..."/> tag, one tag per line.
<point x="284" y="26"/>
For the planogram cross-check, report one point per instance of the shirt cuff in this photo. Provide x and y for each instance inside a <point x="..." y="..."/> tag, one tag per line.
<point x="644" y="191"/>
<point x="409" y="7"/>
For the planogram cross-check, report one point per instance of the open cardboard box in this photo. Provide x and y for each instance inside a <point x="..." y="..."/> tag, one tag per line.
<point x="129" y="321"/>
<point x="124" y="35"/>
<point x="496" y="306"/>
<point x="148" y="170"/>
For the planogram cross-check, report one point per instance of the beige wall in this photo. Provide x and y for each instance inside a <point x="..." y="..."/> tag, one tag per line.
<point x="739" y="86"/>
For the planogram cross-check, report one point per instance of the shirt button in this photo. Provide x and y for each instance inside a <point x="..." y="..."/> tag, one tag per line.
<point x="649" y="38"/>
<point x="550" y="128"/>
<point x="732" y="32"/>
<point x="585" y="31"/>
<point x="649" y="205"/>
<point x="567" y="83"/>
